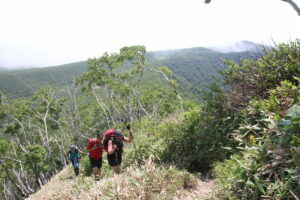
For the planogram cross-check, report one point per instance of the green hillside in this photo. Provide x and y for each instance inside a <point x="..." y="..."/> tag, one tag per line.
<point x="192" y="68"/>
<point x="23" y="83"/>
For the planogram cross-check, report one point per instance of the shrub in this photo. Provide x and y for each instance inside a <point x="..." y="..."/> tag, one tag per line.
<point x="86" y="166"/>
<point x="267" y="164"/>
<point x="235" y="176"/>
<point x="254" y="78"/>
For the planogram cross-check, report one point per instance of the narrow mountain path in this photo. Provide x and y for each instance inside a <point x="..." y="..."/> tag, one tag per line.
<point x="130" y="185"/>
<point x="203" y="191"/>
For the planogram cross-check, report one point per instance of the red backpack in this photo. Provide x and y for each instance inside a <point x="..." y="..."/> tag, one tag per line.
<point x="107" y="135"/>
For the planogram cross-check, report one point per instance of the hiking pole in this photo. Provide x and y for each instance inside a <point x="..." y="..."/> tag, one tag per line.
<point x="127" y="125"/>
<point x="134" y="146"/>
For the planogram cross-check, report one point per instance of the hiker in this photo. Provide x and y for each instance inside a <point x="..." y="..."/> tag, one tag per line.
<point x="95" y="149"/>
<point x="74" y="157"/>
<point x="114" y="148"/>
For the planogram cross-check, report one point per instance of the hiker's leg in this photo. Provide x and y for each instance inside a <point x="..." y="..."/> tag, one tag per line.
<point x="99" y="166"/>
<point x="112" y="161"/>
<point x="76" y="170"/>
<point x="96" y="171"/>
<point x="118" y="164"/>
<point x="73" y="164"/>
<point x="119" y="169"/>
<point x="116" y="169"/>
<point x="94" y="166"/>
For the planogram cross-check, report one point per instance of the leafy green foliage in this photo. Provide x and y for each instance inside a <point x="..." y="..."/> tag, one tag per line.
<point x="268" y="135"/>
<point x="115" y="80"/>
<point x="35" y="159"/>
<point x="197" y="140"/>
<point x="258" y="140"/>
<point x="253" y="79"/>
<point x="263" y="166"/>
<point x="236" y="176"/>
<point x="34" y="134"/>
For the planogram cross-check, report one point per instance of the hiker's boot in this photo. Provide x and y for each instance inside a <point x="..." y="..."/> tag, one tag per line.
<point x="97" y="177"/>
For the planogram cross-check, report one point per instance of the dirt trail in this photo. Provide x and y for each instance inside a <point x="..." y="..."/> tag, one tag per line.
<point x="203" y="191"/>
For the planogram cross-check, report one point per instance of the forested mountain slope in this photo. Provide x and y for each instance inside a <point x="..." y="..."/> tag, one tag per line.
<point x="193" y="69"/>
<point x="196" y="68"/>
<point x="24" y="83"/>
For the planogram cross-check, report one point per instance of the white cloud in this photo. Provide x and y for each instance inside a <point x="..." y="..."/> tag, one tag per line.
<point x="49" y="32"/>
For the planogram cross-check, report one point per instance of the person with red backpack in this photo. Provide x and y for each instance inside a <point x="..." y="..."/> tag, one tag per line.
<point x="113" y="144"/>
<point x="95" y="149"/>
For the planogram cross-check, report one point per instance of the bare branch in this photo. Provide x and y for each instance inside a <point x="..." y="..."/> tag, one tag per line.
<point x="101" y="104"/>
<point x="26" y="189"/>
<point x="291" y="2"/>
<point x="294" y="195"/>
<point x="294" y="5"/>
<point x="168" y="80"/>
<point x="155" y="107"/>
<point x="140" y="105"/>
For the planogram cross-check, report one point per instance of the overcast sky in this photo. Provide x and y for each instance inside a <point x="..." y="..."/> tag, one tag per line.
<point x="52" y="32"/>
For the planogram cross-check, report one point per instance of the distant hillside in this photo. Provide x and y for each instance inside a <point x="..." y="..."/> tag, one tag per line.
<point x="23" y="83"/>
<point x="193" y="68"/>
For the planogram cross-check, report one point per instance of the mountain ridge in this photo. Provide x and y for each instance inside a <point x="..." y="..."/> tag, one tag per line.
<point x="237" y="46"/>
<point x="192" y="68"/>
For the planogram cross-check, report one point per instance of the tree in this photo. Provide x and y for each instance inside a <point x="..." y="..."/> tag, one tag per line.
<point x="118" y="81"/>
<point x="35" y="161"/>
<point x="291" y="2"/>
<point x="33" y="134"/>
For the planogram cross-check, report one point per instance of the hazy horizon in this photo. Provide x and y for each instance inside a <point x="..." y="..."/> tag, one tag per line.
<point x="228" y="47"/>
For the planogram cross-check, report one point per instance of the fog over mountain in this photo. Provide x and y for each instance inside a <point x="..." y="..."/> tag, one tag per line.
<point x="14" y="56"/>
<point x="237" y="47"/>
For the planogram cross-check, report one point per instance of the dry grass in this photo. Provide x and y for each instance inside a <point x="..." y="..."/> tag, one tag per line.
<point x="146" y="182"/>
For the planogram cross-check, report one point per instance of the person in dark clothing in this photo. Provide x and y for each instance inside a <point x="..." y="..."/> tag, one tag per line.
<point x="115" y="149"/>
